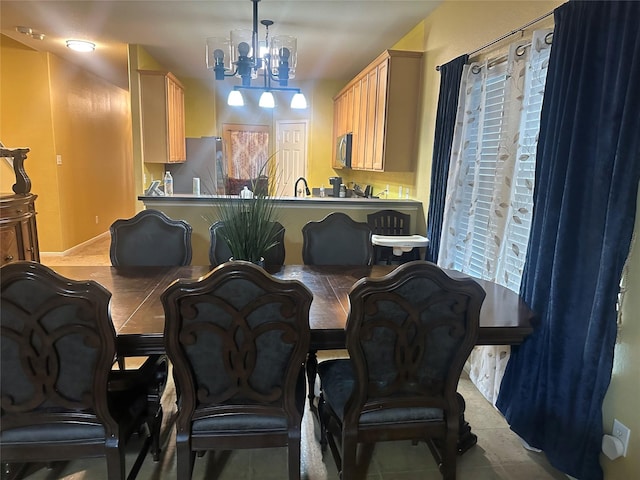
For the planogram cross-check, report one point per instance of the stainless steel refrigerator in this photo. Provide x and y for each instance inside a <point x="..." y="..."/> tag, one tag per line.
<point x="205" y="160"/>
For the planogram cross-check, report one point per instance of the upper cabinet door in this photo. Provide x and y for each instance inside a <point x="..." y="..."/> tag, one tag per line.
<point x="163" y="130"/>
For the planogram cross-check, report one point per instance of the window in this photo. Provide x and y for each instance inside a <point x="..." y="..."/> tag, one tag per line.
<point x="488" y="207"/>
<point x="490" y="188"/>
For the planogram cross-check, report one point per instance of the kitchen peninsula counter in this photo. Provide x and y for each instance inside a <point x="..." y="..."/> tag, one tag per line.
<point x="293" y="214"/>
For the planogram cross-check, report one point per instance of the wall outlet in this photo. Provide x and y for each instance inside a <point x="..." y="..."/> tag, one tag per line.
<point x="622" y="433"/>
<point x="58" y="159"/>
<point x="97" y="220"/>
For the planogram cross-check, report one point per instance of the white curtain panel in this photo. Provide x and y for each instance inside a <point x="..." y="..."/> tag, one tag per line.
<point x="488" y="204"/>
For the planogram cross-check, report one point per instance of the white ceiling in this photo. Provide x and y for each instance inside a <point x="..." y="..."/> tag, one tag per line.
<point x="336" y="39"/>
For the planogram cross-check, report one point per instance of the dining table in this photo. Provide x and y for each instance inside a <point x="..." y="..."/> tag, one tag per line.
<point x="138" y="315"/>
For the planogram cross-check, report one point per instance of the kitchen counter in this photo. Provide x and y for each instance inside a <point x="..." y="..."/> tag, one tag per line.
<point x="288" y="201"/>
<point x="293" y="214"/>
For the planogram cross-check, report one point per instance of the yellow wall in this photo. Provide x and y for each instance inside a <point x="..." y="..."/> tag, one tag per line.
<point x="200" y="108"/>
<point x="92" y="128"/>
<point x="55" y="108"/>
<point x="624" y="390"/>
<point x="321" y="141"/>
<point x="25" y="121"/>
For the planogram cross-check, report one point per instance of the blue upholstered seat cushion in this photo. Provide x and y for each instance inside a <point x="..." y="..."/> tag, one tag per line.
<point x="240" y="422"/>
<point x="126" y="406"/>
<point x="246" y="422"/>
<point x="53" y="434"/>
<point x="338" y="380"/>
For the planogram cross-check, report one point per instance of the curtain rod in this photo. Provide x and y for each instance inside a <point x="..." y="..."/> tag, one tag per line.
<point x="507" y="35"/>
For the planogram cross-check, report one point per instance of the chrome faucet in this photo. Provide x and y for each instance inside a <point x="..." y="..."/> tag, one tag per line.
<point x="306" y="187"/>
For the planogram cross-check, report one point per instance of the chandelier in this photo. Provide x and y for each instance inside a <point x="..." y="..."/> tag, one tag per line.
<point x="243" y="56"/>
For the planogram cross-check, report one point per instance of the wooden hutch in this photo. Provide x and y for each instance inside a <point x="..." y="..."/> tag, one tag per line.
<point x="18" y="232"/>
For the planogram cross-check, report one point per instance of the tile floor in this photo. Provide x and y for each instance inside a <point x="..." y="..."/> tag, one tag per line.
<point x="498" y="454"/>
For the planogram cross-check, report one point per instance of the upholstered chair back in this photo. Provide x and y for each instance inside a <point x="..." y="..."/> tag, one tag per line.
<point x="150" y="238"/>
<point x="409" y="336"/>
<point x="48" y="324"/>
<point x="336" y="240"/>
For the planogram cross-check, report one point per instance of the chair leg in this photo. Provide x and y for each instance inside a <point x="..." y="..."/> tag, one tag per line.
<point x="185" y="457"/>
<point x="449" y="456"/>
<point x="322" y="420"/>
<point x="114" y="453"/>
<point x="156" y="370"/>
<point x="154" y="431"/>
<point x="294" y="454"/>
<point x="349" y="451"/>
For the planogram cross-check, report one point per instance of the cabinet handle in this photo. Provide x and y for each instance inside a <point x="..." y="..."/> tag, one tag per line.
<point x="8" y="258"/>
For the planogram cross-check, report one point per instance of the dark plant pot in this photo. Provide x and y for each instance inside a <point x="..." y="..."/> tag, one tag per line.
<point x="259" y="263"/>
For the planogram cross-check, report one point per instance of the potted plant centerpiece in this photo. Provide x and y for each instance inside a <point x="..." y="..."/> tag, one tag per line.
<point x="249" y="219"/>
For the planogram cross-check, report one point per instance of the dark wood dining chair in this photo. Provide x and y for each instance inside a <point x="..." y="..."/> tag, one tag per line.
<point x="219" y="251"/>
<point x="238" y="339"/>
<point x="150" y="238"/>
<point x="336" y="240"/>
<point x="60" y="398"/>
<point x="393" y="223"/>
<point x="408" y="336"/>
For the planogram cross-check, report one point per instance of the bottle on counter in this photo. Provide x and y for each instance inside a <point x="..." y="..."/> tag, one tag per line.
<point x="343" y="190"/>
<point x="246" y="193"/>
<point x="168" y="184"/>
<point x="322" y="190"/>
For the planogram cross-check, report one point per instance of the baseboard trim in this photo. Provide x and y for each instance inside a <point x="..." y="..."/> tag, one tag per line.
<point x="76" y="247"/>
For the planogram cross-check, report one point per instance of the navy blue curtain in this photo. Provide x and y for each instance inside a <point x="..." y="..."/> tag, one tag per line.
<point x="450" y="75"/>
<point x="587" y="172"/>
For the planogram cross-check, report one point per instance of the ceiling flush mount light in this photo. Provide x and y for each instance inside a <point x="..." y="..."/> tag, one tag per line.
<point x="81" y="45"/>
<point x="244" y="57"/>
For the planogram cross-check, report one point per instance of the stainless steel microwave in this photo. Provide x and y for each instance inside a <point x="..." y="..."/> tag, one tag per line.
<point x="343" y="150"/>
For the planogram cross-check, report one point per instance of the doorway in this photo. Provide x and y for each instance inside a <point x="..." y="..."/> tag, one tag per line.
<point x="291" y="154"/>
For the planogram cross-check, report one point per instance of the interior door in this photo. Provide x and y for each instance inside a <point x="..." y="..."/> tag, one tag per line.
<point x="291" y="157"/>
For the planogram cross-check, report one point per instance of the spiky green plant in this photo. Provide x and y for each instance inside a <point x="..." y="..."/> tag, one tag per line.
<point x="248" y="222"/>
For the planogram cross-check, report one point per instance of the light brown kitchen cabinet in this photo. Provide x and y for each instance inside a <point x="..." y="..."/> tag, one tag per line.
<point x="163" y="131"/>
<point x="18" y="232"/>
<point x="385" y="118"/>
<point x="357" y="101"/>
<point x="343" y="119"/>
